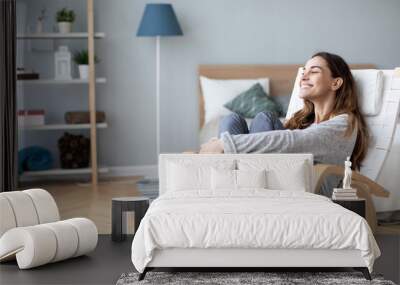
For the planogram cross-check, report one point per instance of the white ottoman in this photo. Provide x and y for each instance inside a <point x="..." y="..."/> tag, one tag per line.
<point x="31" y="232"/>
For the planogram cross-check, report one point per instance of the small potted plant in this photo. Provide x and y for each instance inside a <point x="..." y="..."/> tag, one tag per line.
<point x="65" y="18"/>
<point x="82" y="60"/>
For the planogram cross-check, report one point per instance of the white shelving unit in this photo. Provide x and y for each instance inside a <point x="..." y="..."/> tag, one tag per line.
<point x="55" y="81"/>
<point x="55" y="127"/>
<point x="90" y="36"/>
<point x="48" y="36"/>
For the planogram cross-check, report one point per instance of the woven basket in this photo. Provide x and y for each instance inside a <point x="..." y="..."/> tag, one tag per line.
<point x="83" y="117"/>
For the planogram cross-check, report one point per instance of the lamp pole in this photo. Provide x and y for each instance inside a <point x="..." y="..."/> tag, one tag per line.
<point x="158" y="20"/>
<point x="158" y="94"/>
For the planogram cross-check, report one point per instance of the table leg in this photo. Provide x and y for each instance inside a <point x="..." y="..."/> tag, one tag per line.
<point x="117" y="220"/>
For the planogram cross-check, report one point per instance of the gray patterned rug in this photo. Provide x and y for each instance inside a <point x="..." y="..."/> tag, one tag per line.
<point x="229" y="278"/>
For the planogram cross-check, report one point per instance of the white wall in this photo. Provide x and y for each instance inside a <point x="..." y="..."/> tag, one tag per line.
<point x="215" y="32"/>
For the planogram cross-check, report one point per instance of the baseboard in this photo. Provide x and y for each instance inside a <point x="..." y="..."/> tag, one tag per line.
<point x="149" y="171"/>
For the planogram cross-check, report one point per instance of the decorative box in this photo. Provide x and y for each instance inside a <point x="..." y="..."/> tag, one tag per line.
<point x="23" y="74"/>
<point x="30" y="118"/>
<point x="83" y="117"/>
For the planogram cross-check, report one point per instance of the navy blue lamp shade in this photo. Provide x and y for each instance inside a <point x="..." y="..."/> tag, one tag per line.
<point x="159" y="20"/>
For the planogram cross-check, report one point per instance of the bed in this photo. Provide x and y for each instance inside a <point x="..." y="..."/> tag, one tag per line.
<point x="247" y="210"/>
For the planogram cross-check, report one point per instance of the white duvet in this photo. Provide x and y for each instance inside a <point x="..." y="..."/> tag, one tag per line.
<point x="250" y="219"/>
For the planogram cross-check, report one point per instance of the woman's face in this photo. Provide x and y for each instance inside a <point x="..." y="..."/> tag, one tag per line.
<point x="316" y="82"/>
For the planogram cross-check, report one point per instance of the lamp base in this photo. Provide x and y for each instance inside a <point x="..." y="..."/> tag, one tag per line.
<point x="149" y="187"/>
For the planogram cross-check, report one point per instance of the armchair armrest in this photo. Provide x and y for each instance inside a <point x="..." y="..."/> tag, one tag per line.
<point x="370" y="212"/>
<point x="365" y="188"/>
<point x="322" y="170"/>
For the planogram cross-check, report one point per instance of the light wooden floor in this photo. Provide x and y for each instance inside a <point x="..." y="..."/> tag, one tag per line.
<point x="80" y="200"/>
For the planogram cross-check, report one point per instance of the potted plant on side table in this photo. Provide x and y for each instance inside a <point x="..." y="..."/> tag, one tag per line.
<point x="82" y="60"/>
<point x="65" y="18"/>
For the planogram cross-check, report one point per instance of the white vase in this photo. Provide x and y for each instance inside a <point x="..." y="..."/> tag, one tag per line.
<point x="83" y="71"/>
<point x="39" y="26"/>
<point x="64" y="27"/>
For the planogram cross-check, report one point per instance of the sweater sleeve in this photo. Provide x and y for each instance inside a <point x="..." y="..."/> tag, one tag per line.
<point x="326" y="141"/>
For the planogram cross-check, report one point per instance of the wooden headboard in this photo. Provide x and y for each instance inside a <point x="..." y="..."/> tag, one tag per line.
<point x="281" y="77"/>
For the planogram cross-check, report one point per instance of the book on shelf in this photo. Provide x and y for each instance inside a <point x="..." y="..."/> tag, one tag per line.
<point x="27" y="118"/>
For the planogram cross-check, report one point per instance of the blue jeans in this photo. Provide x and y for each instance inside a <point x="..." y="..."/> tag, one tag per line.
<point x="262" y="122"/>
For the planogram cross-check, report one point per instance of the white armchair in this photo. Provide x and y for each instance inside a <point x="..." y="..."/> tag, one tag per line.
<point x="379" y="94"/>
<point x="31" y="231"/>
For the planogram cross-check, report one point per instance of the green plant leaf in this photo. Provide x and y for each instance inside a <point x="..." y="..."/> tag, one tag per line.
<point x="82" y="57"/>
<point x="65" y="15"/>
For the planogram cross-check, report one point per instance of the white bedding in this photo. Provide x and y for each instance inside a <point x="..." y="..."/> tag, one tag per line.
<point x="250" y="219"/>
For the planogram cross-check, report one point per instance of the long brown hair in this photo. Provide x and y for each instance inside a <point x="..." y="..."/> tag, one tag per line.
<point x="346" y="102"/>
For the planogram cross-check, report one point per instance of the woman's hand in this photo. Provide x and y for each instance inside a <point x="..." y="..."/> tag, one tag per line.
<point x="214" y="145"/>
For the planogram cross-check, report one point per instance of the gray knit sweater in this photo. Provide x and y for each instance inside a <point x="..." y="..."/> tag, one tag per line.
<point x="326" y="141"/>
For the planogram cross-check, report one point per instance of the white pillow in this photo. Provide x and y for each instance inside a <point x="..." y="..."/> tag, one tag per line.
<point x="186" y="174"/>
<point x="217" y="92"/>
<point x="251" y="178"/>
<point x="370" y="89"/>
<point x="225" y="179"/>
<point x="282" y="174"/>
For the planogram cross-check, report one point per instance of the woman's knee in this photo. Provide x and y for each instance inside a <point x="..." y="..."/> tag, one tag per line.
<point x="232" y="119"/>
<point x="234" y="124"/>
<point x="265" y="121"/>
<point x="266" y="115"/>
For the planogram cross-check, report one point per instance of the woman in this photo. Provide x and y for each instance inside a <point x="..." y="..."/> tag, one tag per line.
<point x="330" y="125"/>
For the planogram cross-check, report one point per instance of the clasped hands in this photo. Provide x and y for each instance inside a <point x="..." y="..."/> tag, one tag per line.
<point x="214" y="145"/>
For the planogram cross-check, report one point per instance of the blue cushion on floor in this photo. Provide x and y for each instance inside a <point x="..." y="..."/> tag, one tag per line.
<point x="34" y="158"/>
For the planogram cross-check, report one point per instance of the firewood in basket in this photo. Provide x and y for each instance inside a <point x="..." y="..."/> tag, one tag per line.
<point x="74" y="151"/>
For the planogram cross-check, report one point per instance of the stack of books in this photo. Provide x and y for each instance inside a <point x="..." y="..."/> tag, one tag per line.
<point x="28" y="118"/>
<point x="344" y="194"/>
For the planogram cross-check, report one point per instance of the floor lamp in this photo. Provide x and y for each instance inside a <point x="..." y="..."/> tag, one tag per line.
<point x="159" y="20"/>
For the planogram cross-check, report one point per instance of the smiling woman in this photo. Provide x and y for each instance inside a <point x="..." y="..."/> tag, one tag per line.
<point x="318" y="86"/>
<point x="329" y="125"/>
<point x="328" y="90"/>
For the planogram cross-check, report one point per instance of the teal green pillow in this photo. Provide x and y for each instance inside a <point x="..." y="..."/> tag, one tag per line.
<point x="253" y="101"/>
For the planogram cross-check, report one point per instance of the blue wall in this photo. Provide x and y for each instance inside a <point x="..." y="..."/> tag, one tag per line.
<point x="215" y="32"/>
